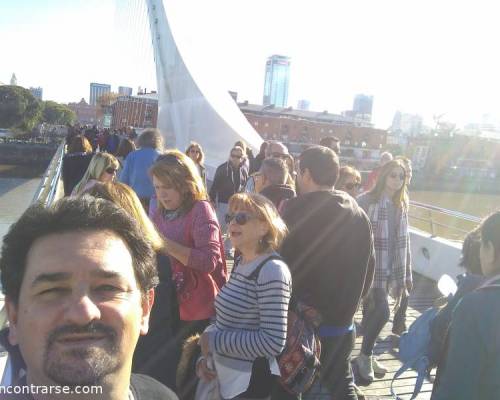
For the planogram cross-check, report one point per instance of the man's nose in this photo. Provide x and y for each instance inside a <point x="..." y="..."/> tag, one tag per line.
<point x="81" y="310"/>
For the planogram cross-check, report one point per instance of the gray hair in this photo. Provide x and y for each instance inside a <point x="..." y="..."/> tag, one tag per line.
<point x="152" y="138"/>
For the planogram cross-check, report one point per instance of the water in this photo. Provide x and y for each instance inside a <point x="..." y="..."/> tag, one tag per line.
<point x="16" y="192"/>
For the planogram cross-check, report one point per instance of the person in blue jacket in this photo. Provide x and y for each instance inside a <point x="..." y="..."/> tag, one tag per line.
<point x="471" y="369"/>
<point x="137" y="164"/>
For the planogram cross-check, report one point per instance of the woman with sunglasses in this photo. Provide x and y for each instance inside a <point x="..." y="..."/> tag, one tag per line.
<point x="349" y="180"/>
<point x="252" y="308"/>
<point x="195" y="153"/>
<point x="192" y="237"/>
<point x="387" y="208"/>
<point x="102" y="168"/>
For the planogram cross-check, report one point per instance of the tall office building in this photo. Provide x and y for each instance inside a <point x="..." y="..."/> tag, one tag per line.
<point x="13" y="80"/>
<point x="303" y="105"/>
<point x="362" y="107"/>
<point x="124" y="91"/>
<point x="37" y="92"/>
<point x="96" y="91"/>
<point x="276" y="81"/>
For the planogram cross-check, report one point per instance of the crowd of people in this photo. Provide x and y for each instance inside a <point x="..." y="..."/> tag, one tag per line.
<point x="124" y="282"/>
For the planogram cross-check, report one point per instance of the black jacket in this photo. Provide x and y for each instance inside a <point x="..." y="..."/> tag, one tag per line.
<point x="73" y="168"/>
<point x="330" y="253"/>
<point x="228" y="181"/>
<point x="278" y="193"/>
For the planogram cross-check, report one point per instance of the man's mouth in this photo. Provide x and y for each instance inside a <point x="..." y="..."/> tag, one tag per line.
<point x="78" y="339"/>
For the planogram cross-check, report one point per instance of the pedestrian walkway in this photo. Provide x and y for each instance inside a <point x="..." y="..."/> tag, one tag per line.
<point x="422" y="297"/>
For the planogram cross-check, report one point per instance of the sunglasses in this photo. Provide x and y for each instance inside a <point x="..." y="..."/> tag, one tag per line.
<point x="241" y="218"/>
<point x="400" y="176"/>
<point x="236" y="156"/>
<point x="351" y="186"/>
<point x="110" y="170"/>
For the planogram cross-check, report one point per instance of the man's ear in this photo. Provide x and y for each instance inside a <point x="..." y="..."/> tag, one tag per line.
<point x="12" y="313"/>
<point x="147" y="304"/>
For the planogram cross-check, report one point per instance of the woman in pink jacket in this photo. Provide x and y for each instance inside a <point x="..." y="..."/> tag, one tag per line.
<point x="187" y="220"/>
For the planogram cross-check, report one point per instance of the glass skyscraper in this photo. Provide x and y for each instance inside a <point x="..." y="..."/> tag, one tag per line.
<point x="276" y="81"/>
<point x="96" y="91"/>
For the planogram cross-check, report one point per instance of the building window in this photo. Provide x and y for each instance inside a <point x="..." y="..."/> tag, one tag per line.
<point x="256" y="123"/>
<point x="266" y="124"/>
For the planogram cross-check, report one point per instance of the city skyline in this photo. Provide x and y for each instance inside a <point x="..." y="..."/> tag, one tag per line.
<point x="378" y="49"/>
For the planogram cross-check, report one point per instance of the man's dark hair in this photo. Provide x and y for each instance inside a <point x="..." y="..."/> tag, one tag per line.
<point x="322" y="163"/>
<point x="490" y="232"/>
<point x="85" y="213"/>
<point x="470" y="252"/>
<point x="275" y="170"/>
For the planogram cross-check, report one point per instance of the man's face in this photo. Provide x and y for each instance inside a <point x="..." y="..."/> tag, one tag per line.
<point x="236" y="157"/>
<point x="80" y="310"/>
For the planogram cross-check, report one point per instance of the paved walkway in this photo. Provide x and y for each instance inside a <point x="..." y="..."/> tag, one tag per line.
<point x="422" y="297"/>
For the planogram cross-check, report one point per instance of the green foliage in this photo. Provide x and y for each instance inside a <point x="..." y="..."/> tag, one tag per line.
<point x="57" y="114"/>
<point x="19" y="109"/>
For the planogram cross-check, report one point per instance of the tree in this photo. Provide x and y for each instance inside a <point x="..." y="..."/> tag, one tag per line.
<point x="18" y="108"/>
<point x="107" y="99"/>
<point x="57" y="114"/>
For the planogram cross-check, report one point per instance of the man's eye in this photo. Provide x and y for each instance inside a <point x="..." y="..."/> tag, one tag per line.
<point x="55" y="290"/>
<point x="109" y="288"/>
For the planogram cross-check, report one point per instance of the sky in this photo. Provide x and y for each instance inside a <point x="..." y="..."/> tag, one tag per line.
<point x="422" y="57"/>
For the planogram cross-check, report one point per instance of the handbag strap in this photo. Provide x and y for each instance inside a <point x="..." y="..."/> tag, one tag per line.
<point x="255" y="273"/>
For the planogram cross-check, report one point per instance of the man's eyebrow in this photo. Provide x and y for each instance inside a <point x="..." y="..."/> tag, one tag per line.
<point x="51" y="277"/>
<point x="101" y="273"/>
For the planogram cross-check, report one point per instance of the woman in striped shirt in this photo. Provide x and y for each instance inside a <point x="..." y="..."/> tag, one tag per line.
<point x="252" y="308"/>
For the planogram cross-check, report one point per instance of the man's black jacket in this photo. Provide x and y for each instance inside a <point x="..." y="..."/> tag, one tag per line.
<point x="330" y="253"/>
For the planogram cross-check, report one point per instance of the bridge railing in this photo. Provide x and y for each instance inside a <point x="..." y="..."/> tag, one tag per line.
<point x="439" y="221"/>
<point x="50" y="182"/>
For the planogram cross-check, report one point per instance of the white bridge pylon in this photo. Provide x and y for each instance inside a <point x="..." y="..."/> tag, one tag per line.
<point x="191" y="104"/>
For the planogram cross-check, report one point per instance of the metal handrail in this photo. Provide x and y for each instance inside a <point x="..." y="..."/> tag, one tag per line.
<point x="47" y="189"/>
<point x="444" y="211"/>
<point x="456" y="214"/>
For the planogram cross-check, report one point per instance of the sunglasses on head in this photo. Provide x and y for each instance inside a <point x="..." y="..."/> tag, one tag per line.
<point x="169" y="159"/>
<point x="396" y="175"/>
<point x="279" y="155"/>
<point x="241" y="218"/>
<point x="110" y="170"/>
<point x="351" y="185"/>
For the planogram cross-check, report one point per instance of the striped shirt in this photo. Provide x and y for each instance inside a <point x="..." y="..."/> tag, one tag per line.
<point x="251" y="315"/>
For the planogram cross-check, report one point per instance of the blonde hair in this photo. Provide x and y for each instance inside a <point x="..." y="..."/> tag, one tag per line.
<point x="99" y="163"/>
<point x="176" y="170"/>
<point x="265" y="211"/>
<point x="345" y="172"/>
<point x="123" y="196"/>
<point x="197" y="146"/>
<point x="400" y="198"/>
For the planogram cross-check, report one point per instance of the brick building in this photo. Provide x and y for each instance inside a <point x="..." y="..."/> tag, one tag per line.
<point x="361" y="143"/>
<point x="288" y="125"/>
<point x="139" y="111"/>
<point x="85" y="113"/>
